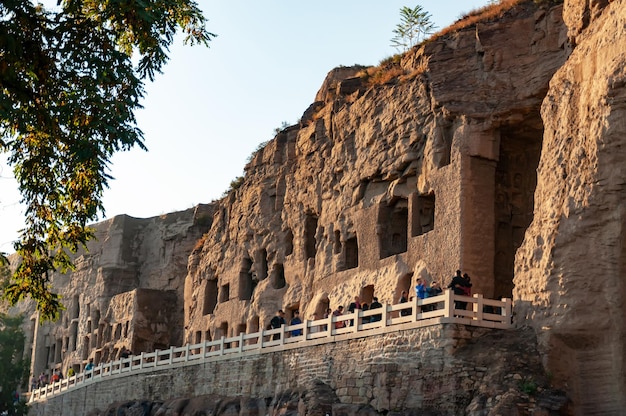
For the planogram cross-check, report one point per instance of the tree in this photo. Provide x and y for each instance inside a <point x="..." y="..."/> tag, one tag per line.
<point x="415" y="25"/>
<point x="13" y="366"/>
<point x="68" y="94"/>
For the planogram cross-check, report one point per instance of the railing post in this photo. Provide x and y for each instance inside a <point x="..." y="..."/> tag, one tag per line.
<point x="187" y="352"/>
<point x="222" y="345"/>
<point x="305" y="330"/>
<point x="282" y="334"/>
<point x="478" y="307"/>
<point x="141" y="361"/>
<point x="385" y="314"/>
<point x="357" y="320"/>
<point x="416" y="310"/>
<point x="241" y="342"/>
<point x="261" y="338"/>
<point x="448" y="305"/>
<point x="330" y="326"/>
<point x="507" y="311"/>
<point x="171" y="360"/>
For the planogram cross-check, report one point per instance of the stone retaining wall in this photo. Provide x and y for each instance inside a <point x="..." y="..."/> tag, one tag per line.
<point x="407" y="369"/>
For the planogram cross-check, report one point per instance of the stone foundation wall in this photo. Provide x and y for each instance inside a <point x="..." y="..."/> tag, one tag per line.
<point x="407" y="369"/>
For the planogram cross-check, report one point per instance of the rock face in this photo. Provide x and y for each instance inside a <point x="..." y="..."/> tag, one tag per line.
<point x="381" y="184"/>
<point x="126" y="291"/>
<point x="497" y="148"/>
<point x="569" y="281"/>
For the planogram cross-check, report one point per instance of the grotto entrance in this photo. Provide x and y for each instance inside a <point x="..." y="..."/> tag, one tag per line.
<point x="515" y="183"/>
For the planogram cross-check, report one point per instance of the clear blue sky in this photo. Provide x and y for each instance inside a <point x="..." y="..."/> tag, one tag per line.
<point x="211" y="107"/>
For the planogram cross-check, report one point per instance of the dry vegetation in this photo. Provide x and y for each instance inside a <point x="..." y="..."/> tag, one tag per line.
<point x="389" y="70"/>
<point x="486" y="13"/>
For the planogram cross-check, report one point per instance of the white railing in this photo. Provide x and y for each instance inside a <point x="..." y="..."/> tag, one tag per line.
<point x="487" y="313"/>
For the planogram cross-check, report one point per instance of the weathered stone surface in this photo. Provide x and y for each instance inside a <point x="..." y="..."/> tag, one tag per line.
<point x="126" y="291"/>
<point x="569" y="271"/>
<point x="439" y="370"/>
<point x="497" y="148"/>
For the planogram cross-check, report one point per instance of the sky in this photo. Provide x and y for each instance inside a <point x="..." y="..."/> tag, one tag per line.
<point x="212" y="107"/>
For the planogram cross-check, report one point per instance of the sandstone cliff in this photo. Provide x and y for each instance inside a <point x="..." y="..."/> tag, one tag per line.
<point x="126" y="291"/>
<point x="496" y="148"/>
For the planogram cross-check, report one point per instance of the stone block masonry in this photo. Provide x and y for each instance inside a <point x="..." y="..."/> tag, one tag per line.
<point x="407" y="369"/>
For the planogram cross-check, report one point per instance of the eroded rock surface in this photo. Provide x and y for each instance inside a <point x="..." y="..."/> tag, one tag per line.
<point x="497" y="148"/>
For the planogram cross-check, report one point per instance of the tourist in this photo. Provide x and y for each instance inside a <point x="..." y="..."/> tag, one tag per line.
<point x="458" y="285"/>
<point x="328" y="313"/>
<point x="338" y="312"/>
<point x="468" y="284"/>
<point x="124" y="354"/>
<point x="296" y="321"/>
<point x="70" y="372"/>
<point x="420" y="288"/>
<point x="366" y="319"/>
<point x="89" y="367"/>
<point x="277" y="321"/>
<point x="43" y="379"/>
<point x="353" y="307"/>
<point x="375" y="305"/>
<point x="315" y="328"/>
<point x="403" y="299"/>
<point x="431" y="291"/>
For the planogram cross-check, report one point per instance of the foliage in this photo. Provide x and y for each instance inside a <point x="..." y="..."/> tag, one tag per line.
<point x="68" y="94"/>
<point x="415" y="25"/>
<point x="528" y="387"/>
<point x="282" y="127"/>
<point x="13" y="366"/>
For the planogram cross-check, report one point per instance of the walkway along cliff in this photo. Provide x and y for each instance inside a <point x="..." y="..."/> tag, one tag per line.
<point x="496" y="148"/>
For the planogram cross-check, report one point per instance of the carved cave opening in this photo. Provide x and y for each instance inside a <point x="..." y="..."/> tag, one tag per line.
<point x="223" y="330"/>
<point x="367" y="294"/>
<point x="246" y="281"/>
<point x="210" y="297"/>
<point x="288" y="243"/>
<point x="515" y="183"/>
<point x="85" y="348"/>
<point x="261" y="258"/>
<point x="423" y="213"/>
<point x="277" y="278"/>
<point x="337" y="242"/>
<point x="404" y="283"/>
<point x="321" y="307"/>
<point x="393" y="221"/>
<point x="352" y="253"/>
<point x="75" y="309"/>
<point x="225" y="292"/>
<point x="310" y="229"/>
<point x="57" y="350"/>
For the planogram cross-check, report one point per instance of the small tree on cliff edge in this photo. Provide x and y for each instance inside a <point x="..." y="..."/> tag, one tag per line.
<point x="69" y="90"/>
<point x="415" y="25"/>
